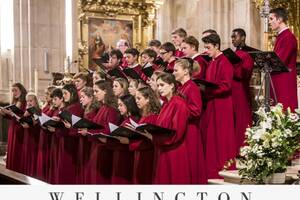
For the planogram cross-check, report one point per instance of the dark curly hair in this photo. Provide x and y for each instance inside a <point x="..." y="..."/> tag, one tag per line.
<point x="22" y="97"/>
<point x="154" y="105"/>
<point x="109" y="99"/>
<point x="73" y="94"/>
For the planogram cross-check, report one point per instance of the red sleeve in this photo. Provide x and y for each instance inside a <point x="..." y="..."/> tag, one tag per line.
<point x="244" y="69"/>
<point x="203" y="65"/>
<point x="194" y="103"/>
<point x="284" y="49"/>
<point x="143" y="144"/>
<point x="76" y="109"/>
<point x="108" y="114"/>
<point x="178" y="122"/>
<point x="112" y="117"/>
<point x="223" y="80"/>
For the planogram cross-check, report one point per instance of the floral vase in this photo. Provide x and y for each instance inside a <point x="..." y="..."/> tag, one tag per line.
<point x="276" y="178"/>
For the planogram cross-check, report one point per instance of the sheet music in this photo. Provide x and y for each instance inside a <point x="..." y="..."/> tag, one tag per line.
<point x="75" y="119"/>
<point x="44" y="118"/>
<point x="112" y="127"/>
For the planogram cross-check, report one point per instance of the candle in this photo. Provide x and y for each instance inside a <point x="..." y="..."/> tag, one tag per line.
<point x="10" y="91"/>
<point x="45" y="56"/>
<point x="36" y="81"/>
<point x="67" y="65"/>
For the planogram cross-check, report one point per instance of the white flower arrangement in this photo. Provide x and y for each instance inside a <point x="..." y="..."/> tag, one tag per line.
<point x="270" y="143"/>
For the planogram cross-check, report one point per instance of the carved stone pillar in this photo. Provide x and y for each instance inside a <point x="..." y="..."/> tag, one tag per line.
<point x="39" y="43"/>
<point x="198" y="15"/>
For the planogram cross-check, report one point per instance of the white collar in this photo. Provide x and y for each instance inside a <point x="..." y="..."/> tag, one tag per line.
<point x="147" y="65"/>
<point x="134" y="66"/>
<point x="218" y="55"/>
<point x="194" y="56"/>
<point x="283" y="30"/>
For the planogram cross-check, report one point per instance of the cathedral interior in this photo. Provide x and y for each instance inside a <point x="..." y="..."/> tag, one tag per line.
<point x="42" y="40"/>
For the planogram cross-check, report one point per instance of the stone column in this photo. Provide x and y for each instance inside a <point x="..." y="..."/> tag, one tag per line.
<point x="39" y="36"/>
<point x="198" y="15"/>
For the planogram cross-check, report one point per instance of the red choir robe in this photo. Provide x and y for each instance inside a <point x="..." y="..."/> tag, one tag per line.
<point x="98" y="168"/>
<point x="172" y="165"/>
<point x="194" y="143"/>
<point x="203" y="65"/>
<point x="170" y="66"/>
<point x="84" y="149"/>
<point x="159" y="62"/>
<point x="124" y="63"/>
<point x="217" y="123"/>
<point x="138" y="69"/>
<point x="30" y="151"/>
<point x="122" y="160"/>
<point x="179" y="53"/>
<point x="68" y="150"/>
<point x="15" y="143"/>
<point x="285" y="84"/>
<point x="44" y="147"/>
<point x="241" y="96"/>
<point x="46" y="108"/>
<point x="52" y="153"/>
<point x="143" y="169"/>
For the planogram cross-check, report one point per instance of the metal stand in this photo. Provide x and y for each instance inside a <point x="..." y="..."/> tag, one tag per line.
<point x="268" y="84"/>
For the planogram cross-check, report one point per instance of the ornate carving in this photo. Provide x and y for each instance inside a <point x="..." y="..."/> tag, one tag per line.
<point x="113" y="8"/>
<point x="141" y="12"/>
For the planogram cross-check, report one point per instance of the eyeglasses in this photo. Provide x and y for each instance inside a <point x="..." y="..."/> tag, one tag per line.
<point x="162" y="53"/>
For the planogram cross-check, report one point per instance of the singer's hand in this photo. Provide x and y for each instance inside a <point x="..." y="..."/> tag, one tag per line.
<point x="123" y="140"/>
<point x="51" y="129"/>
<point x="102" y="139"/>
<point x="148" y="135"/>
<point x="55" y="118"/>
<point x="67" y="124"/>
<point x="25" y="125"/>
<point x="83" y="131"/>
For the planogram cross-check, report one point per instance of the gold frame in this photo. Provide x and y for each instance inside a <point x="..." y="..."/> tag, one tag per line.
<point x="85" y="32"/>
<point x="141" y="13"/>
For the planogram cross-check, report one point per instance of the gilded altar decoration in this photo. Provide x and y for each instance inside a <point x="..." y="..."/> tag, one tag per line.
<point x="102" y="23"/>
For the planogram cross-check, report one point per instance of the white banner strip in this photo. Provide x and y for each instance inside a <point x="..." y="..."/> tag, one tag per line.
<point x="151" y="192"/>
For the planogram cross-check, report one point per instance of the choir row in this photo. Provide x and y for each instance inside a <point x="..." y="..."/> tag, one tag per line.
<point x="209" y="121"/>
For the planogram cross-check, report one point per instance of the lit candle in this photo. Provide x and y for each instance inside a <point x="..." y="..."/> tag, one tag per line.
<point x="36" y="81"/>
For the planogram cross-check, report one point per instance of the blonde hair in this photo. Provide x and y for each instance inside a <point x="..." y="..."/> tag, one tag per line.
<point x="189" y="64"/>
<point x="124" y="84"/>
<point x="34" y="96"/>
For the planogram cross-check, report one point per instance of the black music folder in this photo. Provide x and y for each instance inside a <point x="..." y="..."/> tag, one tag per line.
<point x="78" y="122"/>
<point x="232" y="57"/>
<point x="131" y="73"/>
<point x="206" y="57"/>
<point x="14" y="109"/>
<point x="205" y="83"/>
<point x="123" y="131"/>
<point x="65" y="115"/>
<point x="151" y="128"/>
<point x="148" y="71"/>
<point x="269" y="60"/>
<point x="45" y="120"/>
<point x="28" y="120"/>
<point x="99" y="135"/>
<point x="117" y="73"/>
<point x="34" y="111"/>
